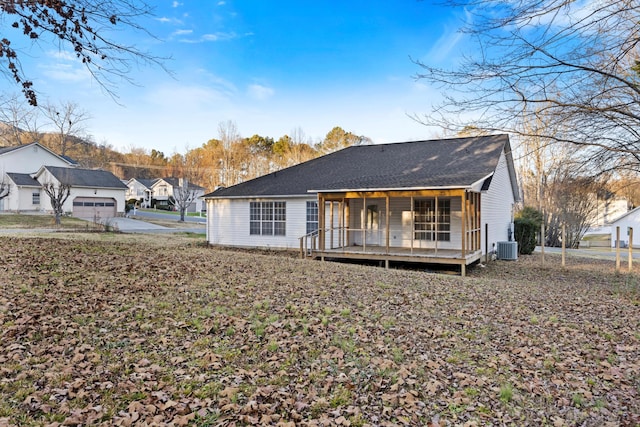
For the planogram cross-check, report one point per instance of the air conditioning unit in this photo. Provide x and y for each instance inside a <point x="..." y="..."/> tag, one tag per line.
<point x="507" y="250"/>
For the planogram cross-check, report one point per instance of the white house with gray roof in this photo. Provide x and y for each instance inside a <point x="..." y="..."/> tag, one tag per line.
<point x="26" y="168"/>
<point x="444" y="201"/>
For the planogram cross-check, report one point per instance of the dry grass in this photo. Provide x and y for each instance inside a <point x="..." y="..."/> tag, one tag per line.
<point x="28" y="221"/>
<point x="112" y="330"/>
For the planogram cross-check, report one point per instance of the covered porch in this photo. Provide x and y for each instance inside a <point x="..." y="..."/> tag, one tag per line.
<point x="431" y="226"/>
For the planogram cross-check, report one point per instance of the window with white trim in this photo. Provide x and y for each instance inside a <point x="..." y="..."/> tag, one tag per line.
<point x="268" y="218"/>
<point x="35" y="198"/>
<point x="431" y="223"/>
<point x="312" y="216"/>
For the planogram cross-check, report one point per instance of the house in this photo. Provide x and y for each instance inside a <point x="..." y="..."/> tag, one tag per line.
<point x="444" y="201"/>
<point x="95" y="194"/>
<point x="26" y="168"/>
<point x="625" y="222"/>
<point x="163" y="190"/>
<point x="608" y="207"/>
<point x="140" y="189"/>
<point x="28" y="158"/>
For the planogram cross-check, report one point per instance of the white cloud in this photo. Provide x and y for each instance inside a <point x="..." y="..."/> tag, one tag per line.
<point x="260" y="92"/>
<point x="61" y="55"/>
<point x="182" y="32"/>
<point x="176" y="4"/>
<point x="210" y="37"/>
<point x="451" y="38"/>
<point x="65" y="67"/>
<point x="65" y="72"/>
<point x="221" y="3"/>
<point x="166" y="20"/>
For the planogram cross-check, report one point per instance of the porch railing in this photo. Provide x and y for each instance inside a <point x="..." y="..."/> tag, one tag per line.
<point x="336" y="238"/>
<point x="309" y="244"/>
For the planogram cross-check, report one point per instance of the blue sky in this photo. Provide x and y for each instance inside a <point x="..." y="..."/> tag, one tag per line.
<point x="269" y="66"/>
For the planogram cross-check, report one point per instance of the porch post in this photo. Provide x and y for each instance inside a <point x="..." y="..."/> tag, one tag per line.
<point x="387" y="221"/>
<point x="464" y="221"/>
<point x="321" y="215"/>
<point x="364" y="225"/>
<point x="340" y="213"/>
<point x="331" y="221"/>
<point x="347" y="220"/>
<point x="413" y="222"/>
<point x="436" y="227"/>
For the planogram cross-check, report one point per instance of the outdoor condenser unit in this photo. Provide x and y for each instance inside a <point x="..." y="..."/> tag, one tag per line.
<point x="507" y="250"/>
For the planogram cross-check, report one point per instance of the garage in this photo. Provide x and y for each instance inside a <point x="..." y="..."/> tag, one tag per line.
<point x="94" y="207"/>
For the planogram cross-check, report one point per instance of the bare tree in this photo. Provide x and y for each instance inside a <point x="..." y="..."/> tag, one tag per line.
<point x="58" y="194"/>
<point x="184" y="195"/>
<point x="574" y="203"/>
<point x="228" y="136"/>
<point x="5" y="188"/>
<point x="68" y="119"/>
<point x="82" y="27"/>
<point x="20" y="121"/>
<point x="574" y="63"/>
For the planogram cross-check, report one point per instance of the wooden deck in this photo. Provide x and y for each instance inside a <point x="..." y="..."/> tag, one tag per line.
<point x="398" y="254"/>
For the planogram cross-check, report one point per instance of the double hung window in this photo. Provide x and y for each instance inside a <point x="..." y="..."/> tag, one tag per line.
<point x="268" y="218"/>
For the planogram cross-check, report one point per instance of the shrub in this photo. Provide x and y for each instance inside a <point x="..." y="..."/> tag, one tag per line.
<point x="527" y="223"/>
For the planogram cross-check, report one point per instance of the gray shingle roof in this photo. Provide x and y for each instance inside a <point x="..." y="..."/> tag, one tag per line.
<point x="175" y="182"/>
<point x="146" y="182"/>
<point x="4" y="150"/>
<point x="86" y="177"/>
<point x="451" y="163"/>
<point x="23" y="179"/>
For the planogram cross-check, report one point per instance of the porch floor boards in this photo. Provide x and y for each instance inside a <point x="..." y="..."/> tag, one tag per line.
<point x="424" y="255"/>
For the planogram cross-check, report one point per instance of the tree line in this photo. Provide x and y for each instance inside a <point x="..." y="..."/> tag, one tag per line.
<point x="225" y="160"/>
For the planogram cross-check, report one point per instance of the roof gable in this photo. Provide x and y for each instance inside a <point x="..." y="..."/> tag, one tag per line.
<point x="148" y="183"/>
<point x="175" y="182"/>
<point x="445" y="163"/>
<point x="6" y="150"/>
<point x="84" y="177"/>
<point x="23" y="179"/>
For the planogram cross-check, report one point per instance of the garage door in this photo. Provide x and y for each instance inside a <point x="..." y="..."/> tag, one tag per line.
<point x="94" y="207"/>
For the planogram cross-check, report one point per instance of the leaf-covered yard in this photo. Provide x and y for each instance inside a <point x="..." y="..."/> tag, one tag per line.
<point x="117" y="332"/>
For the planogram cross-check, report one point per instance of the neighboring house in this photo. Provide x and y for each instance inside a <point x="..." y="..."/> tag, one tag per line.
<point x="162" y="193"/>
<point x="444" y="201"/>
<point x="26" y="168"/>
<point x="24" y="194"/>
<point x="95" y="194"/>
<point x="21" y="161"/>
<point x="608" y="209"/>
<point x="629" y="220"/>
<point x="28" y="158"/>
<point x="140" y="189"/>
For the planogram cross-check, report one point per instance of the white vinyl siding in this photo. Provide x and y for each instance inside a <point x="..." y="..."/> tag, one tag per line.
<point x="228" y="223"/>
<point x="496" y="206"/>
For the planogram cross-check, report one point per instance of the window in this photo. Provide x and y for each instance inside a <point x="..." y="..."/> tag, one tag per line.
<point x="35" y="198"/>
<point x="268" y="218"/>
<point x="312" y="216"/>
<point x="426" y="225"/>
